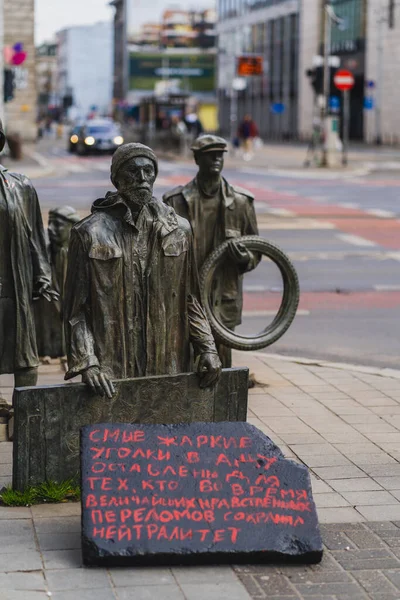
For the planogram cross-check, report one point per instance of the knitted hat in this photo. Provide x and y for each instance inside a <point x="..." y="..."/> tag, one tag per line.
<point x="128" y="151"/>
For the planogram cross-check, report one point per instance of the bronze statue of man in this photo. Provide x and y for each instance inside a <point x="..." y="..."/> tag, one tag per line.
<point x="218" y="211"/>
<point x="49" y="321"/>
<point x="24" y="274"/>
<point x="131" y="297"/>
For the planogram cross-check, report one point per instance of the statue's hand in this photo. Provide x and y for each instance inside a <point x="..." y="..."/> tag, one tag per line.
<point x="239" y="254"/>
<point x="98" y="382"/>
<point x="209" y="369"/>
<point x="44" y="290"/>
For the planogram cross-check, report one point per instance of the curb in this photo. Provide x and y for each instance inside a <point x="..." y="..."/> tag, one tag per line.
<point x="379" y="372"/>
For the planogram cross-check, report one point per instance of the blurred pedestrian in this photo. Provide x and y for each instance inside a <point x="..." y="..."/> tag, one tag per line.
<point x="193" y="124"/>
<point x="246" y="133"/>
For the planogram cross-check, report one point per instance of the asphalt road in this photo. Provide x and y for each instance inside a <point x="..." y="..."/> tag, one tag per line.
<point x="342" y="234"/>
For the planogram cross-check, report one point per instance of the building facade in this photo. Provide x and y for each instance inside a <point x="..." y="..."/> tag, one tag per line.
<point x="85" y="69"/>
<point x="267" y="28"/>
<point x="46" y="79"/>
<point x="21" y="110"/>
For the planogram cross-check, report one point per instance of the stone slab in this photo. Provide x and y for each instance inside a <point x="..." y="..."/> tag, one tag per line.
<point x="48" y="419"/>
<point x="191" y="494"/>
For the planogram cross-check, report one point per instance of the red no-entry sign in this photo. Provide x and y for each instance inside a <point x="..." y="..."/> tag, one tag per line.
<point x="344" y="80"/>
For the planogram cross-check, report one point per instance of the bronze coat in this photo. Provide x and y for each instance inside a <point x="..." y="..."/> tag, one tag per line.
<point x="98" y="315"/>
<point x="29" y="260"/>
<point x="238" y="219"/>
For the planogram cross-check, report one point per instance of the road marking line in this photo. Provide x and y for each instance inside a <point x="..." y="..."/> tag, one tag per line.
<point x="387" y="288"/>
<point x="355" y="240"/>
<point x="351" y="205"/>
<point x="271" y="313"/>
<point x="378" y="212"/>
<point x="281" y="212"/>
<point x="76" y="168"/>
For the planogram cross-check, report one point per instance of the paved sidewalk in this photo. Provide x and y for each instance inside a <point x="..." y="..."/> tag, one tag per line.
<point x="342" y="422"/>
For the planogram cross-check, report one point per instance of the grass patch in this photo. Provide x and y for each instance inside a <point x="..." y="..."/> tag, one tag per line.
<point x="50" y="492"/>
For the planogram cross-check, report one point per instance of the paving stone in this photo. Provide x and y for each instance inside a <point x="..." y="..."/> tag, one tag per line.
<point x="145" y="577"/>
<point x="335" y="589"/>
<point x="106" y="594"/>
<point x="363" y="484"/>
<point x="327" y="460"/>
<point x="61" y="525"/>
<point x="62" y="559"/>
<point x="77" y="579"/>
<point x="20" y="561"/>
<point x="329" y="500"/>
<point x="346" y="514"/>
<point x="67" y="509"/>
<point x="154" y="592"/>
<point x="254" y="590"/>
<point x="383" y="526"/>
<point x="59" y="541"/>
<point x="368" y="498"/>
<point x="364" y="539"/>
<point x="23" y="595"/>
<point x="309" y="449"/>
<point x="319" y="486"/>
<point x="362" y="560"/>
<point x="33" y="582"/>
<point x="364" y="448"/>
<point x="335" y="540"/>
<point x="17" y="543"/>
<point x="275" y="584"/>
<point x="339" y="472"/>
<point x="310" y="578"/>
<point x="373" y="513"/>
<point x="362" y="460"/>
<point x="18" y="512"/>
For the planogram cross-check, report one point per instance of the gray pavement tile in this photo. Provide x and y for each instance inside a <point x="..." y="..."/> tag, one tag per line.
<point x="61" y="525"/>
<point x="383" y="526"/>
<point x="338" y="472"/>
<point x="389" y="483"/>
<point x="16" y="527"/>
<point x="22" y="595"/>
<point x="364" y="539"/>
<point x="17" y="512"/>
<point x="6" y="481"/>
<point x="17" y="543"/>
<point x="389" y="512"/>
<point x="274" y="585"/>
<point x="368" y="498"/>
<point x="330" y="500"/>
<point x="334" y="589"/>
<point x="142" y="576"/>
<point x="335" y="540"/>
<point x="59" y="541"/>
<point x="156" y="592"/>
<point x="215" y="591"/>
<point x="363" y="484"/>
<point x="394" y="576"/>
<point x="345" y="514"/>
<point x="33" y="582"/>
<point x="29" y="560"/>
<point x="363" y="560"/>
<point x="201" y="575"/>
<point x="319" y="486"/>
<point x="106" y="594"/>
<point x="62" y="559"/>
<point x="311" y="578"/>
<point x="65" y="509"/>
<point x="335" y="460"/>
<point x="77" y="579"/>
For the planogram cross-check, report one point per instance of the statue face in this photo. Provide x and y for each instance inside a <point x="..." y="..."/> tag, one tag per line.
<point x="59" y="231"/>
<point x="210" y="163"/>
<point x="136" y="178"/>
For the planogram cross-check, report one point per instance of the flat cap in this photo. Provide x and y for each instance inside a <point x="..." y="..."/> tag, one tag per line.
<point x="65" y="212"/>
<point x="127" y="152"/>
<point x="209" y="143"/>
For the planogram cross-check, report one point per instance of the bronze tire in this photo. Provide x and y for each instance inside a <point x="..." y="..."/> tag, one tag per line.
<point x="287" y="310"/>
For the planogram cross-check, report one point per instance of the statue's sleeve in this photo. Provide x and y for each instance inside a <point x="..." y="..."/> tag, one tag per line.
<point x="251" y="228"/>
<point x="201" y="335"/>
<point x="40" y="259"/>
<point x="78" y="331"/>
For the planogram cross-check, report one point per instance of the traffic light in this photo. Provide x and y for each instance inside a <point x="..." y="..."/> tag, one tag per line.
<point x="316" y="77"/>
<point x="9" y="85"/>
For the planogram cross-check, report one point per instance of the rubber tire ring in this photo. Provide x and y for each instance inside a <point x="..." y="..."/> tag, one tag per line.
<point x="287" y="310"/>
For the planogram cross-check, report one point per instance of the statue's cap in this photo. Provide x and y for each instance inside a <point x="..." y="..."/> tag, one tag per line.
<point x="2" y="136"/>
<point x="127" y="152"/>
<point x="209" y="143"/>
<point x="65" y="212"/>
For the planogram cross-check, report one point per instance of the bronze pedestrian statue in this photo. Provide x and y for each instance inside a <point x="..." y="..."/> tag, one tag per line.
<point x="218" y="211"/>
<point x="24" y="274"/>
<point x="49" y="318"/>
<point x="131" y="303"/>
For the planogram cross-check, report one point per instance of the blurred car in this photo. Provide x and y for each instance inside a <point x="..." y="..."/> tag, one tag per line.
<point x="97" y="136"/>
<point x="73" y="138"/>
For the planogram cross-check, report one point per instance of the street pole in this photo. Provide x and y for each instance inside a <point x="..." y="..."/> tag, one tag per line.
<point x="346" y="123"/>
<point x="325" y="106"/>
<point x="233" y="113"/>
<point x="379" y="81"/>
